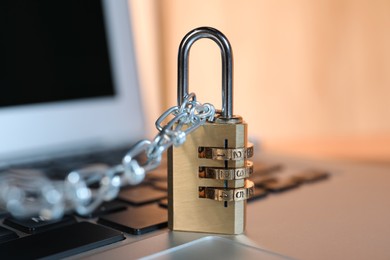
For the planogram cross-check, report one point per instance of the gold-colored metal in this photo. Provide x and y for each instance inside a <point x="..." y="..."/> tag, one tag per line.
<point x="228" y="194"/>
<point x="186" y="210"/>
<point x="217" y="153"/>
<point x="220" y="173"/>
<point x="207" y="186"/>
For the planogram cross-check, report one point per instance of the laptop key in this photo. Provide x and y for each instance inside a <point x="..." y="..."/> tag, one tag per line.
<point x="157" y="175"/>
<point x="281" y="184"/>
<point x="261" y="180"/>
<point x="311" y="176"/>
<point x="61" y="242"/>
<point x="3" y="212"/>
<point x="106" y="208"/>
<point x="137" y="220"/>
<point x="37" y="224"/>
<point x="163" y="203"/>
<point x="141" y="195"/>
<point x="6" y="235"/>
<point x="160" y="185"/>
<point x="258" y="194"/>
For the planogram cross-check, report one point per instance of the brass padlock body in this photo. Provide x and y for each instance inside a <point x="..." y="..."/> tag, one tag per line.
<point x="186" y="210"/>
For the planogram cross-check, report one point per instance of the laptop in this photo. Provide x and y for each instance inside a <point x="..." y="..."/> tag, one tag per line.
<point x="70" y="97"/>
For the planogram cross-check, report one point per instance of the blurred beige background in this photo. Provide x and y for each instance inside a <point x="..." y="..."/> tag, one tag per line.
<point x="310" y="77"/>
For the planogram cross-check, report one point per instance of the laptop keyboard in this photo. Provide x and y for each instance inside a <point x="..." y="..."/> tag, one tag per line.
<point x="137" y="220"/>
<point x="62" y="242"/>
<point x="137" y="210"/>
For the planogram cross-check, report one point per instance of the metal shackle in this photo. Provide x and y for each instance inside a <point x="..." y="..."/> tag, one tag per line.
<point x="227" y="66"/>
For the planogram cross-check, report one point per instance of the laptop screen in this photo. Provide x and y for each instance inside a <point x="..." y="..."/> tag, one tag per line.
<point x="68" y="78"/>
<point x="53" y="51"/>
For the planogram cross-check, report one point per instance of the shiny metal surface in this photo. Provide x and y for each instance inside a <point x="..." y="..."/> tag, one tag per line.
<point x="220" y="194"/>
<point x="220" y="173"/>
<point x="227" y="66"/>
<point x="186" y="211"/>
<point x="220" y="146"/>
<point x="234" y="154"/>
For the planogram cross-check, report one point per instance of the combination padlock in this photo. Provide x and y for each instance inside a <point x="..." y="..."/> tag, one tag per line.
<point x="207" y="175"/>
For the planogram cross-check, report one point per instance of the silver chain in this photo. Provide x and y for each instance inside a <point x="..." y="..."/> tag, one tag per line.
<point x="28" y="192"/>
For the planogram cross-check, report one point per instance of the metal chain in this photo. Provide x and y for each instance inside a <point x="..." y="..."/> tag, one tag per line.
<point x="27" y="192"/>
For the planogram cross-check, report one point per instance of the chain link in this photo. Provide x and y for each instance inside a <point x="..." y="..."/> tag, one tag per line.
<point x="27" y="192"/>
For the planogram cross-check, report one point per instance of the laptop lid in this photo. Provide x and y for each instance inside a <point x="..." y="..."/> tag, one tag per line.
<point x="68" y="77"/>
